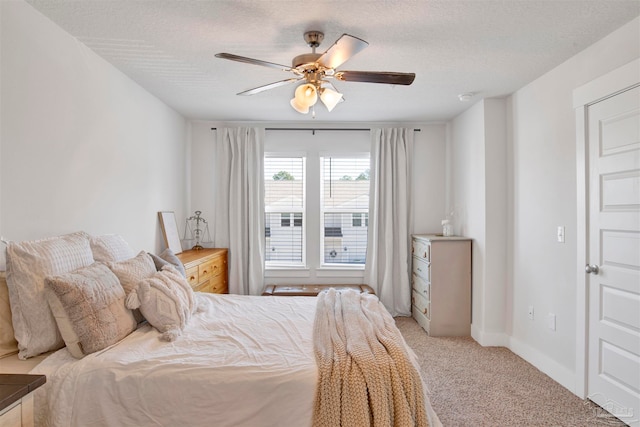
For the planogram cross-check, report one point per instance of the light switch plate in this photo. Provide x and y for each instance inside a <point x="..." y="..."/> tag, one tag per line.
<point x="560" y="234"/>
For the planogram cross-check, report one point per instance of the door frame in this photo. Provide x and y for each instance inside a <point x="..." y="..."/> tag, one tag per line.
<point x="606" y="86"/>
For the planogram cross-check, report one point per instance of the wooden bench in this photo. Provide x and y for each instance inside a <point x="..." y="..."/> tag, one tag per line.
<point x="310" y="290"/>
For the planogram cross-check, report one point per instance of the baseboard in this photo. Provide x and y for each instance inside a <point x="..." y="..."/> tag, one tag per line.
<point x="553" y="369"/>
<point x="489" y="339"/>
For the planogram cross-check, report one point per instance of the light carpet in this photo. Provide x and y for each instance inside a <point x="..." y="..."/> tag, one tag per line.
<point x="471" y="385"/>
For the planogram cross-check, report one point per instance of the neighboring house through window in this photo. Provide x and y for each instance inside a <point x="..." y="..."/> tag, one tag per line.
<point x="284" y="182"/>
<point x="343" y="191"/>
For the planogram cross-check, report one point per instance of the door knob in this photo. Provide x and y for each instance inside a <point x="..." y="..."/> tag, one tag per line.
<point x="592" y="269"/>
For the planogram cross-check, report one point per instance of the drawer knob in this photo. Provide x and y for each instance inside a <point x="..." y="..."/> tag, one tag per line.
<point x="424" y="311"/>
<point x="192" y="278"/>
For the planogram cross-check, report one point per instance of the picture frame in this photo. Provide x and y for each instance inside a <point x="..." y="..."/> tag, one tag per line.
<point x="170" y="231"/>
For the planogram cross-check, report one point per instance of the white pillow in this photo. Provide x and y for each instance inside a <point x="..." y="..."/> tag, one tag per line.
<point x="132" y="270"/>
<point x="28" y="263"/>
<point x="8" y="343"/>
<point x="88" y="305"/>
<point x="166" y="300"/>
<point x="110" y="248"/>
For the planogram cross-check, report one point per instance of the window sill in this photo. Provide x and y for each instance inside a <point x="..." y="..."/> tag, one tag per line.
<point x="287" y="272"/>
<point x="324" y="271"/>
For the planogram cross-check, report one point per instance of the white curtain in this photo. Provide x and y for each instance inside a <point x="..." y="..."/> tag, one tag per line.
<point x="390" y="218"/>
<point x="239" y="210"/>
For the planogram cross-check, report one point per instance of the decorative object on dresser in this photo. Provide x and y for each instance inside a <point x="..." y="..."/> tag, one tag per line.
<point x="16" y="399"/>
<point x="170" y="231"/>
<point x="198" y="230"/>
<point x="441" y="282"/>
<point x="206" y="269"/>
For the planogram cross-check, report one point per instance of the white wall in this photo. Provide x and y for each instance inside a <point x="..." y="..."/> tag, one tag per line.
<point x="541" y="195"/>
<point x="429" y="177"/>
<point x="544" y="188"/>
<point x="479" y="198"/>
<point x="82" y="146"/>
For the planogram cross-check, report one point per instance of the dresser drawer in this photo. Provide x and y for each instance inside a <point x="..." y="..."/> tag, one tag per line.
<point x="421" y="304"/>
<point x="192" y="276"/>
<point x="206" y="269"/>
<point x="421" y="269"/>
<point x="421" y="249"/>
<point x="421" y="286"/>
<point x="219" y="284"/>
<point x="211" y="268"/>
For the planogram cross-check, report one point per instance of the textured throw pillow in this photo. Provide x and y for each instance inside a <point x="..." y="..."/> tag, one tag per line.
<point x="166" y="300"/>
<point x="159" y="262"/>
<point x="110" y="248"/>
<point x="8" y="343"/>
<point x="133" y="270"/>
<point x="88" y="305"/>
<point x="172" y="259"/>
<point x="28" y="263"/>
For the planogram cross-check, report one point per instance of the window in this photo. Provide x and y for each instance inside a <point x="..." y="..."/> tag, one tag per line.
<point x="319" y="240"/>
<point x="345" y="209"/>
<point x="284" y="185"/>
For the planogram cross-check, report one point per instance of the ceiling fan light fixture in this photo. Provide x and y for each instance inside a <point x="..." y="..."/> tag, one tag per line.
<point x="330" y="98"/>
<point x="302" y="109"/>
<point x="306" y="95"/>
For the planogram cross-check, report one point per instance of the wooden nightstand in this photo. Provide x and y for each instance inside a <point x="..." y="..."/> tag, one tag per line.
<point x="206" y="269"/>
<point x="16" y="399"/>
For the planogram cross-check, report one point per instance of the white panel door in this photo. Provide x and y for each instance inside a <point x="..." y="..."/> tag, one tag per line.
<point x="614" y="255"/>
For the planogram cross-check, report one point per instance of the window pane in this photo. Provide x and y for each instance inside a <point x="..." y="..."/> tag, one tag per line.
<point x="283" y="184"/>
<point x="344" y="244"/>
<point x="345" y="183"/>
<point x="283" y="243"/>
<point x="345" y="203"/>
<point x="284" y="210"/>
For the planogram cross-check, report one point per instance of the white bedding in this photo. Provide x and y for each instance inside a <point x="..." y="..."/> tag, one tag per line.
<point x="243" y="361"/>
<point x="238" y="363"/>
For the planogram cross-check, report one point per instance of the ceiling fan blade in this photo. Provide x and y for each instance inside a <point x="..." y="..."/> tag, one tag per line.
<point x="376" y="77"/>
<point x="344" y="48"/>
<point x="269" y="86"/>
<point x="246" y="60"/>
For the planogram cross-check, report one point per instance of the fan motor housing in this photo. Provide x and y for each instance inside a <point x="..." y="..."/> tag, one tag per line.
<point x="305" y="59"/>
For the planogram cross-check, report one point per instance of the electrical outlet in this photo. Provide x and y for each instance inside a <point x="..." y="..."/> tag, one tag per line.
<point x="531" y="312"/>
<point x="551" y="321"/>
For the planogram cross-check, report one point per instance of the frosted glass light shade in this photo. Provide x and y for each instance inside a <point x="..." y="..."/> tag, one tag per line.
<point x="330" y="98"/>
<point x="302" y="109"/>
<point x="306" y="95"/>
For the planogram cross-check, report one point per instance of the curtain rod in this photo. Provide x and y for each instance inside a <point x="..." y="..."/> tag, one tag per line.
<point x="330" y="129"/>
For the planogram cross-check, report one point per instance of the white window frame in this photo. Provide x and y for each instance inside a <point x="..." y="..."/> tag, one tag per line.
<point x="323" y="210"/>
<point x="303" y="211"/>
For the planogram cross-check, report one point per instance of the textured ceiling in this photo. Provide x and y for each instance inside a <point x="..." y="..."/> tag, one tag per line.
<point x="487" y="47"/>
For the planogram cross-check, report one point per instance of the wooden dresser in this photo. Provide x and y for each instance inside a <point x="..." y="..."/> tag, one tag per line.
<point x="441" y="282"/>
<point x="206" y="269"/>
<point x="16" y="399"/>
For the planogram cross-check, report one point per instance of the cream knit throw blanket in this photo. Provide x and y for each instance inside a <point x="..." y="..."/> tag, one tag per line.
<point x="366" y="377"/>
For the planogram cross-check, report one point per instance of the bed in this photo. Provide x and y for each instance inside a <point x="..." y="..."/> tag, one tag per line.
<point x="239" y="361"/>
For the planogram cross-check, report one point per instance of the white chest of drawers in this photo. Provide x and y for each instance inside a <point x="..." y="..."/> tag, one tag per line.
<point x="441" y="281"/>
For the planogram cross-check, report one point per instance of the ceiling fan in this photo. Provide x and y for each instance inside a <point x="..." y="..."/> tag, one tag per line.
<point x="317" y="70"/>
